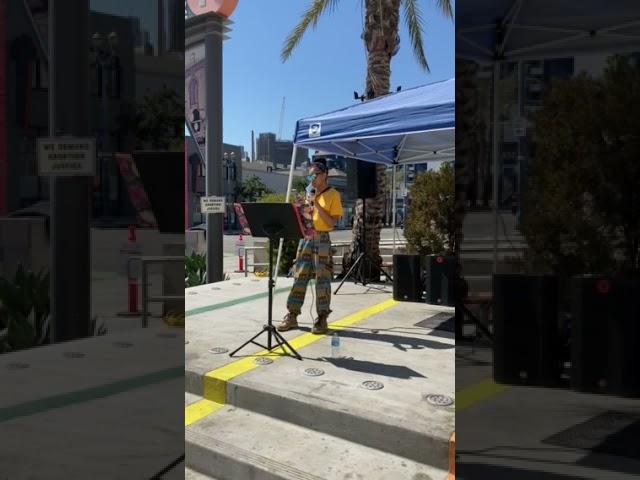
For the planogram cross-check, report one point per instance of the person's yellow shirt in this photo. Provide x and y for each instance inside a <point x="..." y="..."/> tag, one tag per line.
<point x="331" y="202"/>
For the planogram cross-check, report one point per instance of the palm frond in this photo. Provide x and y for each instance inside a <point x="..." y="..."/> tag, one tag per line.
<point x="309" y="18"/>
<point x="446" y="7"/>
<point x="413" y="19"/>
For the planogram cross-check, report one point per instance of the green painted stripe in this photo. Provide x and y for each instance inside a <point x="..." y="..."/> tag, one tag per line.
<point x="229" y="303"/>
<point x="66" y="399"/>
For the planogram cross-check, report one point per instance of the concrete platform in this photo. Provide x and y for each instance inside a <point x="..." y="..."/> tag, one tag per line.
<point x="505" y="432"/>
<point x="108" y="407"/>
<point x="378" y="344"/>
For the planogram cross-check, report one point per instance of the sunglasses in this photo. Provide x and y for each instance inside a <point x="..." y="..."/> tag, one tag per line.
<point x="312" y="177"/>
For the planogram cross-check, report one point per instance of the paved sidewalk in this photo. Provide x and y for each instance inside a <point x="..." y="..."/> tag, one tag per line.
<point x="509" y="432"/>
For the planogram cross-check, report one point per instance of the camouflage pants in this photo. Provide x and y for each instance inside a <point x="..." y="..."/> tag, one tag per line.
<point x="313" y="260"/>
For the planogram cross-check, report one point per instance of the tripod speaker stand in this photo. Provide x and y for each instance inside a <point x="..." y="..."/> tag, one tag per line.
<point x="274" y="221"/>
<point x="364" y="258"/>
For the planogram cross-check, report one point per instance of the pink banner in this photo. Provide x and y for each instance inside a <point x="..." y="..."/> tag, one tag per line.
<point x="136" y="191"/>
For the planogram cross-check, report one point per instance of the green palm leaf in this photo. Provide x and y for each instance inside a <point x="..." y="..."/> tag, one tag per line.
<point x="309" y="18"/>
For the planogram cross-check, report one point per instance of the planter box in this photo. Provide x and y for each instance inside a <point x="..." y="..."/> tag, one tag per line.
<point x="605" y="335"/>
<point x="526" y="343"/>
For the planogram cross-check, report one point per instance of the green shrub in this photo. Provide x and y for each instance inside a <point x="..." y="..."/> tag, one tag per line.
<point x="195" y="270"/>
<point x="24" y="310"/>
<point x="430" y="226"/>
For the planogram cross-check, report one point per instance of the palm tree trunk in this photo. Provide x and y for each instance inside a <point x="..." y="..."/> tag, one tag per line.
<point x="381" y="39"/>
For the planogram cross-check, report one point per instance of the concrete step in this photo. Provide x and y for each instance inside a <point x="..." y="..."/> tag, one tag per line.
<point x="408" y="361"/>
<point x="239" y="444"/>
<point x="193" y="475"/>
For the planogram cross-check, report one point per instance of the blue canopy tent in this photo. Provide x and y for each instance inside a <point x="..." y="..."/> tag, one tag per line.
<point x="411" y="126"/>
<point x="416" y="125"/>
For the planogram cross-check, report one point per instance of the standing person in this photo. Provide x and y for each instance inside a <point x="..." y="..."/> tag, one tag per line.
<point x="313" y="259"/>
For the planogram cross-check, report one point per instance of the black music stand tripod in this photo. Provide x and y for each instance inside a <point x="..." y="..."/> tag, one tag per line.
<point x="275" y="221"/>
<point x="364" y="258"/>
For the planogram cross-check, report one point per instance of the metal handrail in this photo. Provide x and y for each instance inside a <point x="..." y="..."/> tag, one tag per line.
<point x="341" y="244"/>
<point x="146" y="299"/>
<point x="246" y="259"/>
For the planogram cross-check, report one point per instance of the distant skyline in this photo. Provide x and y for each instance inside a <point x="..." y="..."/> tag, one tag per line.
<point x="323" y="72"/>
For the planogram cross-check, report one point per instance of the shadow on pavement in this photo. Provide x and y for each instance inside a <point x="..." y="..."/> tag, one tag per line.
<point x="400" y="342"/>
<point x="395" y="371"/>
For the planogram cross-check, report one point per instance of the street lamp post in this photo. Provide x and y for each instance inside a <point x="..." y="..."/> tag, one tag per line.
<point x="103" y="60"/>
<point x="229" y="163"/>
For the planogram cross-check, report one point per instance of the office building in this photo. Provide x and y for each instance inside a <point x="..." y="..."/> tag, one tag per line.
<point x="278" y="153"/>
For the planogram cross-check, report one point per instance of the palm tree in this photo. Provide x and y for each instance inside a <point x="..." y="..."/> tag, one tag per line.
<point x="381" y="38"/>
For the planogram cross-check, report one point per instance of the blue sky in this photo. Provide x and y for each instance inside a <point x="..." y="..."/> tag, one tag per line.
<point x="325" y="69"/>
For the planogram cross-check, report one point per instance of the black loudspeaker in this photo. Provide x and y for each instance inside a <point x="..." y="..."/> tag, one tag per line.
<point x="407" y="278"/>
<point x="361" y="179"/>
<point x="605" y="335"/>
<point x="440" y="274"/>
<point x="526" y="340"/>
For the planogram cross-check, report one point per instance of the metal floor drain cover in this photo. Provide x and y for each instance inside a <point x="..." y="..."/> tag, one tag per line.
<point x="236" y="283"/>
<point x="167" y="335"/>
<point x="218" y="350"/>
<point x="372" y="385"/>
<point x="74" y="354"/>
<point x="439" y="400"/>
<point x="314" y="372"/>
<point x="193" y="293"/>
<point x="123" y="344"/>
<point x="215" y="288"/>
<point x="263" y="361"/>
<point x="17" y="366"/>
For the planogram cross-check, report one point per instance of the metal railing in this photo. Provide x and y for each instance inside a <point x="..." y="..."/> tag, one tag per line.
<point x="145" y="261"/>
<point x="246" y="259"/>
<point x="387" y="259"/>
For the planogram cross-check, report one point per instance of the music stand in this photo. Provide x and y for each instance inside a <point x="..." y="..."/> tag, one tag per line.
<point x="273" y="221"/>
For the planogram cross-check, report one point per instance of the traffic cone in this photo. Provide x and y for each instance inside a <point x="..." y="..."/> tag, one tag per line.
<point x="129" y="250"/>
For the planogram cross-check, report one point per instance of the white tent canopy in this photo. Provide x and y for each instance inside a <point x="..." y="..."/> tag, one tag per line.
<point x="495" y="30"/>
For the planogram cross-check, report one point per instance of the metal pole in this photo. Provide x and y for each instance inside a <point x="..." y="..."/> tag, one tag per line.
<point x="393" y="207"/>
<point x="213" y="76"/>
<point x="496" y="162"/>
<point x="286" y="199"/>
<point x="70" y="197"/>
<point x="145" y="295"/>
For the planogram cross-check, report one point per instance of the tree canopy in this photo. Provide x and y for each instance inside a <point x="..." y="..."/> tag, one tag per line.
<point x="581" y="209"/>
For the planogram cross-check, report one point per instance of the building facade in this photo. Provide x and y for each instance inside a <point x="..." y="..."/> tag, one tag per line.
<point x="135" y="54"/>
<point x="232" y="168"/>
<point x="278" y="153"/>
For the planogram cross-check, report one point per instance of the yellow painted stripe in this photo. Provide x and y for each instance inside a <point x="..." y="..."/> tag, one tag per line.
<point x="477" y="393"/>
<point x="215" y="381"/>
<point x="200" y="409"/>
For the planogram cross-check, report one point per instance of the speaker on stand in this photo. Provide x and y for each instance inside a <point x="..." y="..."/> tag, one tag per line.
<point x="362" y="184"/>
<point x="361" y="179"/>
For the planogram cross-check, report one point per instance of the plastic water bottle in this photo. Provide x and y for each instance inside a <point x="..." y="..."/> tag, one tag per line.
<point x="335" y="345"/>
